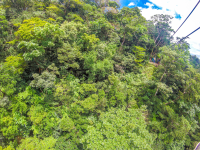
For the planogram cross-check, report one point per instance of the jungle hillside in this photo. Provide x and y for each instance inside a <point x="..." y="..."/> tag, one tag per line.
<point x="87" y="74"/>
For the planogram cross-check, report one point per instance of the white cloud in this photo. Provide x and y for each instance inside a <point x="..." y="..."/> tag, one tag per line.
<point x="131" y="4"/>
<point x="182" y="7"/>
<point x="140" y="8"/>
<point x="148" y="4"/>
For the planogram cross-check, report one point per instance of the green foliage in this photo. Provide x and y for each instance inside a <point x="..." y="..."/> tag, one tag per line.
<point x="113" y="4"/>
<point x="19" y="5"/>
<point x="45" y="121"/>
<point x="44" y="81"/>
<point x="4" y="34"/>
<point x="36" y="144"/>
<point x="76" y="75"/>
<point x="63" y="143"/>
<point x="175" y="132"/>
<point x="139" y="54"/>
<point x="26" y="30"/>
<point x="3" y="24"/>
<point x="73" y="31"/>
<point x="15" y="63"/>
<point x="32" y="50"/>
<point x="119" y="129"/>
<point x="67" y="91"/>
<point x="10" y="71"/>
<point x="75" y="18"/>
<point x="38" y="38"/>
<point x="98" y="69"/>
<point x="7" y="148"/>
<point x="66" y="124"/>
<point x="101" y="28"/>
<point x="69" y="56"/>
<point x="10" y="128"/>
<point x="89" y="42"/>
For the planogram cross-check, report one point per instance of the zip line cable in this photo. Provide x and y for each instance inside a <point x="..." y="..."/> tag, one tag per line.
<point x="189" y="34"/>
<point x="187" y="17"/>
<point x="186" y="36"/>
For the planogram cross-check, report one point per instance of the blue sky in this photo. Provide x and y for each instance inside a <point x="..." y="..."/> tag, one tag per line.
<point x="179" y="9"/>
<point x="141" y="3"/>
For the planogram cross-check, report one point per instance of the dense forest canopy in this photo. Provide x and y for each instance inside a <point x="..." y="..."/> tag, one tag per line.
<point x="77" y="74"/>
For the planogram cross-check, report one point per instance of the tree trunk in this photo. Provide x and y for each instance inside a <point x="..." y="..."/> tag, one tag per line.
<point x="158" y="42"/>
<point x="157" y="37"/>
<point x="122" y="42"/>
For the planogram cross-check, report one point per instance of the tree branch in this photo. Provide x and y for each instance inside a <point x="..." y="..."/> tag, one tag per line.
<point x="122" y="42"/>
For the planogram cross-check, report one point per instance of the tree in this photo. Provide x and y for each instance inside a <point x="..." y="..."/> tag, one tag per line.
<point x="159" y="29"/>
<point x="128" y="19"/>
